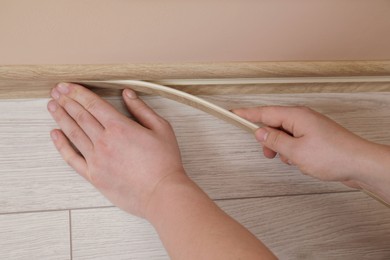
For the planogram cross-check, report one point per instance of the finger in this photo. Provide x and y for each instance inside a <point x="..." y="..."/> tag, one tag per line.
<point x="285" y="159"/>
<point x="275" y="116"/>
<point x="141" y="111"/>
<point x="70" y="156"/>
<point x="72" y="130"/>
<point x="276" y="140"/>
<point x="82" y="117"/>
<point x="98" y="107"/>
<point x="268" y="153"/>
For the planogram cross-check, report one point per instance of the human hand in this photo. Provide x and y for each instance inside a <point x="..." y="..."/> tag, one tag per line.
<point x="123" y="159"/>
<point x="314" y="143"/>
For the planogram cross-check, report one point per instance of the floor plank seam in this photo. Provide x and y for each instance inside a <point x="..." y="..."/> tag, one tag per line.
<point x="287" y="195"/>
<point x="70" y="235"/>
<point x="53" y="210"/>
<point x="220" y="199"/>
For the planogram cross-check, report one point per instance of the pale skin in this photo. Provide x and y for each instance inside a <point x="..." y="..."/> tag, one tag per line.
<point x="137" y="166"/>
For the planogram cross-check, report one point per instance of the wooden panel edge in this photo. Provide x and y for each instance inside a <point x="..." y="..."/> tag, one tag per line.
<point x="153" y="71"/>
<point x="35" y="81"/>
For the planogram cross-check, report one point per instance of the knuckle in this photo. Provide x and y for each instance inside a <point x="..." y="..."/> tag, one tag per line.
<point x="98" y="181"/>
<point x="295" y="157"/>
<point x="75" y="89"/>
<point x="272" y="109"/>
<point x="60" y="148"/>
<point x="74" y="134"/>
<point x="165" y="126"/>
<point x="297" y="154"/>
<point x="165" y="123"/>
<point x="102" y="145"/>
<point x="274" y="138"/>
<point x="81" y="116"/>
<point x="91" y="104"/>
<point x="94" y="180"/>
<point x="284" y="159"/>
<point x="141" y="108"/>
<point x="116" y="127"/>
<point x="62" y="101"/>
<point x="65" y="104"/>
<point x="69" y="159"/>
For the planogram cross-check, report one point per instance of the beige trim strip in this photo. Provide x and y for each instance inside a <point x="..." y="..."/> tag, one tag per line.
<point x="179" y="96"/>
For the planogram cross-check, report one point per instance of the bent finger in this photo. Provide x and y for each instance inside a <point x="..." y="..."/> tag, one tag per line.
<point x="276" y="116"/>
<point x="270" y="154"/>
<point x="276" y="140"/>
<point x="285" y="159"/>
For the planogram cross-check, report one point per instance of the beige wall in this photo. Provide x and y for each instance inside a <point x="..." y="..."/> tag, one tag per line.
<point x="108" y="31"/>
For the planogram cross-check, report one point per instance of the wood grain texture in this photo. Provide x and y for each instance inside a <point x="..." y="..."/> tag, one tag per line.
<point x="43" y="235"/>
<point x="28" y="81"/>
<point x="225" y="161"/>
<point x="327" y="226"/>
<point x="323" y="226"/>
<point x="149" y="71"/>
<point x="113" y="234"/>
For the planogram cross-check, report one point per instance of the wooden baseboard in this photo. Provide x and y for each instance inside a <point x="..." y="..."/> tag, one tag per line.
<point x="33" y="81"/>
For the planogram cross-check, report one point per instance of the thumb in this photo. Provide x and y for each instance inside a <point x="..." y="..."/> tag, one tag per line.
<point x="276" y="140"/>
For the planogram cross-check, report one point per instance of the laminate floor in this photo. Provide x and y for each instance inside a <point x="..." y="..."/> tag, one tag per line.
<point x="48" y="212"/>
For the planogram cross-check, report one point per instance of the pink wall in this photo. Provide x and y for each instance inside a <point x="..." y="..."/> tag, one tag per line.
<point x="107" y="31"/>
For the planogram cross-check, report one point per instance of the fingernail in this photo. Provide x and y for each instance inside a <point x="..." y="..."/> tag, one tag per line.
<point x="63" y="88"/>
<point x="130" y="94"/>
<point x="52" y="106"/>
<point x="54" y="135"/>
<point x="261" y="135"/>
<point x="55" y="94"/>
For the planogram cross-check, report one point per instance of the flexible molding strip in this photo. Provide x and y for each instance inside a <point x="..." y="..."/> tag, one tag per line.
<point x="179" y="96"/>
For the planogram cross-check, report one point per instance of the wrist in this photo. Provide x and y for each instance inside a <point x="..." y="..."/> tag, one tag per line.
<point x="375" y="175"/>
<point x="373" y="162"/>
<point x="167" y="193"/>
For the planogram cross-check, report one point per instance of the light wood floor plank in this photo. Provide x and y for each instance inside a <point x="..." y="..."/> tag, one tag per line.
<point x="40" y="235"/>
<point x="322" y="226"/>
<point x="113" y="234"/>
<point x="224" y="160"/>
<point x="329" y="226"/>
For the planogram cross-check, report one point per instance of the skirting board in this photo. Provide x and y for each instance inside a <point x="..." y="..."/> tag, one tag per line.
<point x="34" y="81"/>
